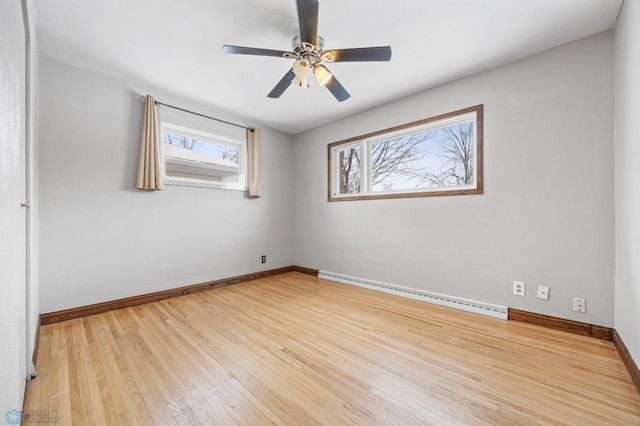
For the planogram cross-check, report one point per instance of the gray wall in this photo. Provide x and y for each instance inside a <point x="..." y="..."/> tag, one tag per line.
<point x="627" y="317"/>
<point x="547" y="214"/>
<point x="101" y="239"/>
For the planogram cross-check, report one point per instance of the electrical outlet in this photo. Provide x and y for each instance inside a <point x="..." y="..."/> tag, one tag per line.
<point x="518" y="288"/>
<point x="579" y="304"/>
<point x="264" y="259"/>
<point x="543" y="292"/>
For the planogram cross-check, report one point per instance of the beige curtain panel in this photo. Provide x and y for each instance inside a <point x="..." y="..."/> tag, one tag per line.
<point x="253" y="162"/>
<point x="149" y="163"/>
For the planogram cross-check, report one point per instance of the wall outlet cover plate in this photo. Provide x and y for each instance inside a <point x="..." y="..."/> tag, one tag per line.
<point x="518" y="288"/>
<point x="543" y="292"/>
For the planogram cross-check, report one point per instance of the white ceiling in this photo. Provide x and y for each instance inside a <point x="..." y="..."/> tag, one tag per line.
<point x="176" y="46"/>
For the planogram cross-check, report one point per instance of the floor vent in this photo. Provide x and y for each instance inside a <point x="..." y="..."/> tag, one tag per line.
<point x="487" y="309"/>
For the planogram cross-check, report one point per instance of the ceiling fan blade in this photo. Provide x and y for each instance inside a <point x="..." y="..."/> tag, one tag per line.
<point x="337" y="90"/>
<point x="282" y="85"/>
<point x="308" y="19"/>
<point x="240" y="50"/>
<point x="360" y="54"/>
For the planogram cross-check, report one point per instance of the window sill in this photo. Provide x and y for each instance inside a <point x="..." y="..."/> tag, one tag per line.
<point x="176" y="181"/>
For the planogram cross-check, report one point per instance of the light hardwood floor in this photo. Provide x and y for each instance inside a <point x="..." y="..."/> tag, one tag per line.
<point x="292" y="349"/>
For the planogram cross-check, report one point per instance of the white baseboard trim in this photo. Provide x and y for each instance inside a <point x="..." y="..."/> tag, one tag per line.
<point x="482" y="308"/>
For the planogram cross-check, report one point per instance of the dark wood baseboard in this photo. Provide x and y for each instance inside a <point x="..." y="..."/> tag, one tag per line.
<point x="308" y="271"/>
<point x="83" y="311"/>
<point x="632" y="367"/>
<point x="575" y="327"/>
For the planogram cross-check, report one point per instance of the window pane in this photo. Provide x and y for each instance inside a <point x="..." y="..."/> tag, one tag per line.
<point x="208" y="151"/>
<point x="437" y="158"/>
<point x="349" y="170"/>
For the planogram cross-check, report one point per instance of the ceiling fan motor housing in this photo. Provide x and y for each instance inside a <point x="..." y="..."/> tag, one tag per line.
<point x="308" y="51"/>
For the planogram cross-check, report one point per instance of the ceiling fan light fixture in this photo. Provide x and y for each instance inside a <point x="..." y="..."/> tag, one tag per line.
<point x="323" y="75"/>
<point x="301" y="68"/>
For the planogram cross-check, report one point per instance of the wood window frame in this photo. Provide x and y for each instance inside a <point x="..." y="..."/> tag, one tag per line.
<point x="479" y="181"/>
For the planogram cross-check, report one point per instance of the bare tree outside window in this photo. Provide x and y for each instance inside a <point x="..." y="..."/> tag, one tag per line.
<point x="436" y="159"/>
<point x="229" y="153"/>
<point x="397" y="161"/>
<point x="454" y="156"/>
<point x="183" y="142"/>
<point x="211" y="149"/>
<point x="349" y="170"/>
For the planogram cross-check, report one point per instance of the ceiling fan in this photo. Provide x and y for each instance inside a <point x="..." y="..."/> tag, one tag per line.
<point x="309" y="54"/>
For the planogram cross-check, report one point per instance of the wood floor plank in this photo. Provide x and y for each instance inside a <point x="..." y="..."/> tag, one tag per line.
<point x="293" y="349"/>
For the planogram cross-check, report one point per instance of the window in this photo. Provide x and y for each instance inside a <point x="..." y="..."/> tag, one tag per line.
<point x="198" y="158"/>
<point x="436" y="156"/>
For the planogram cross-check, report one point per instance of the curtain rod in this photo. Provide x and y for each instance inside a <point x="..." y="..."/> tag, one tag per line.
<point x="205" y="116"/>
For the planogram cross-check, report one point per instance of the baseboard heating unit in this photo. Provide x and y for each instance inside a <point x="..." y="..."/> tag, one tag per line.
<point x="487" y="309"/>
